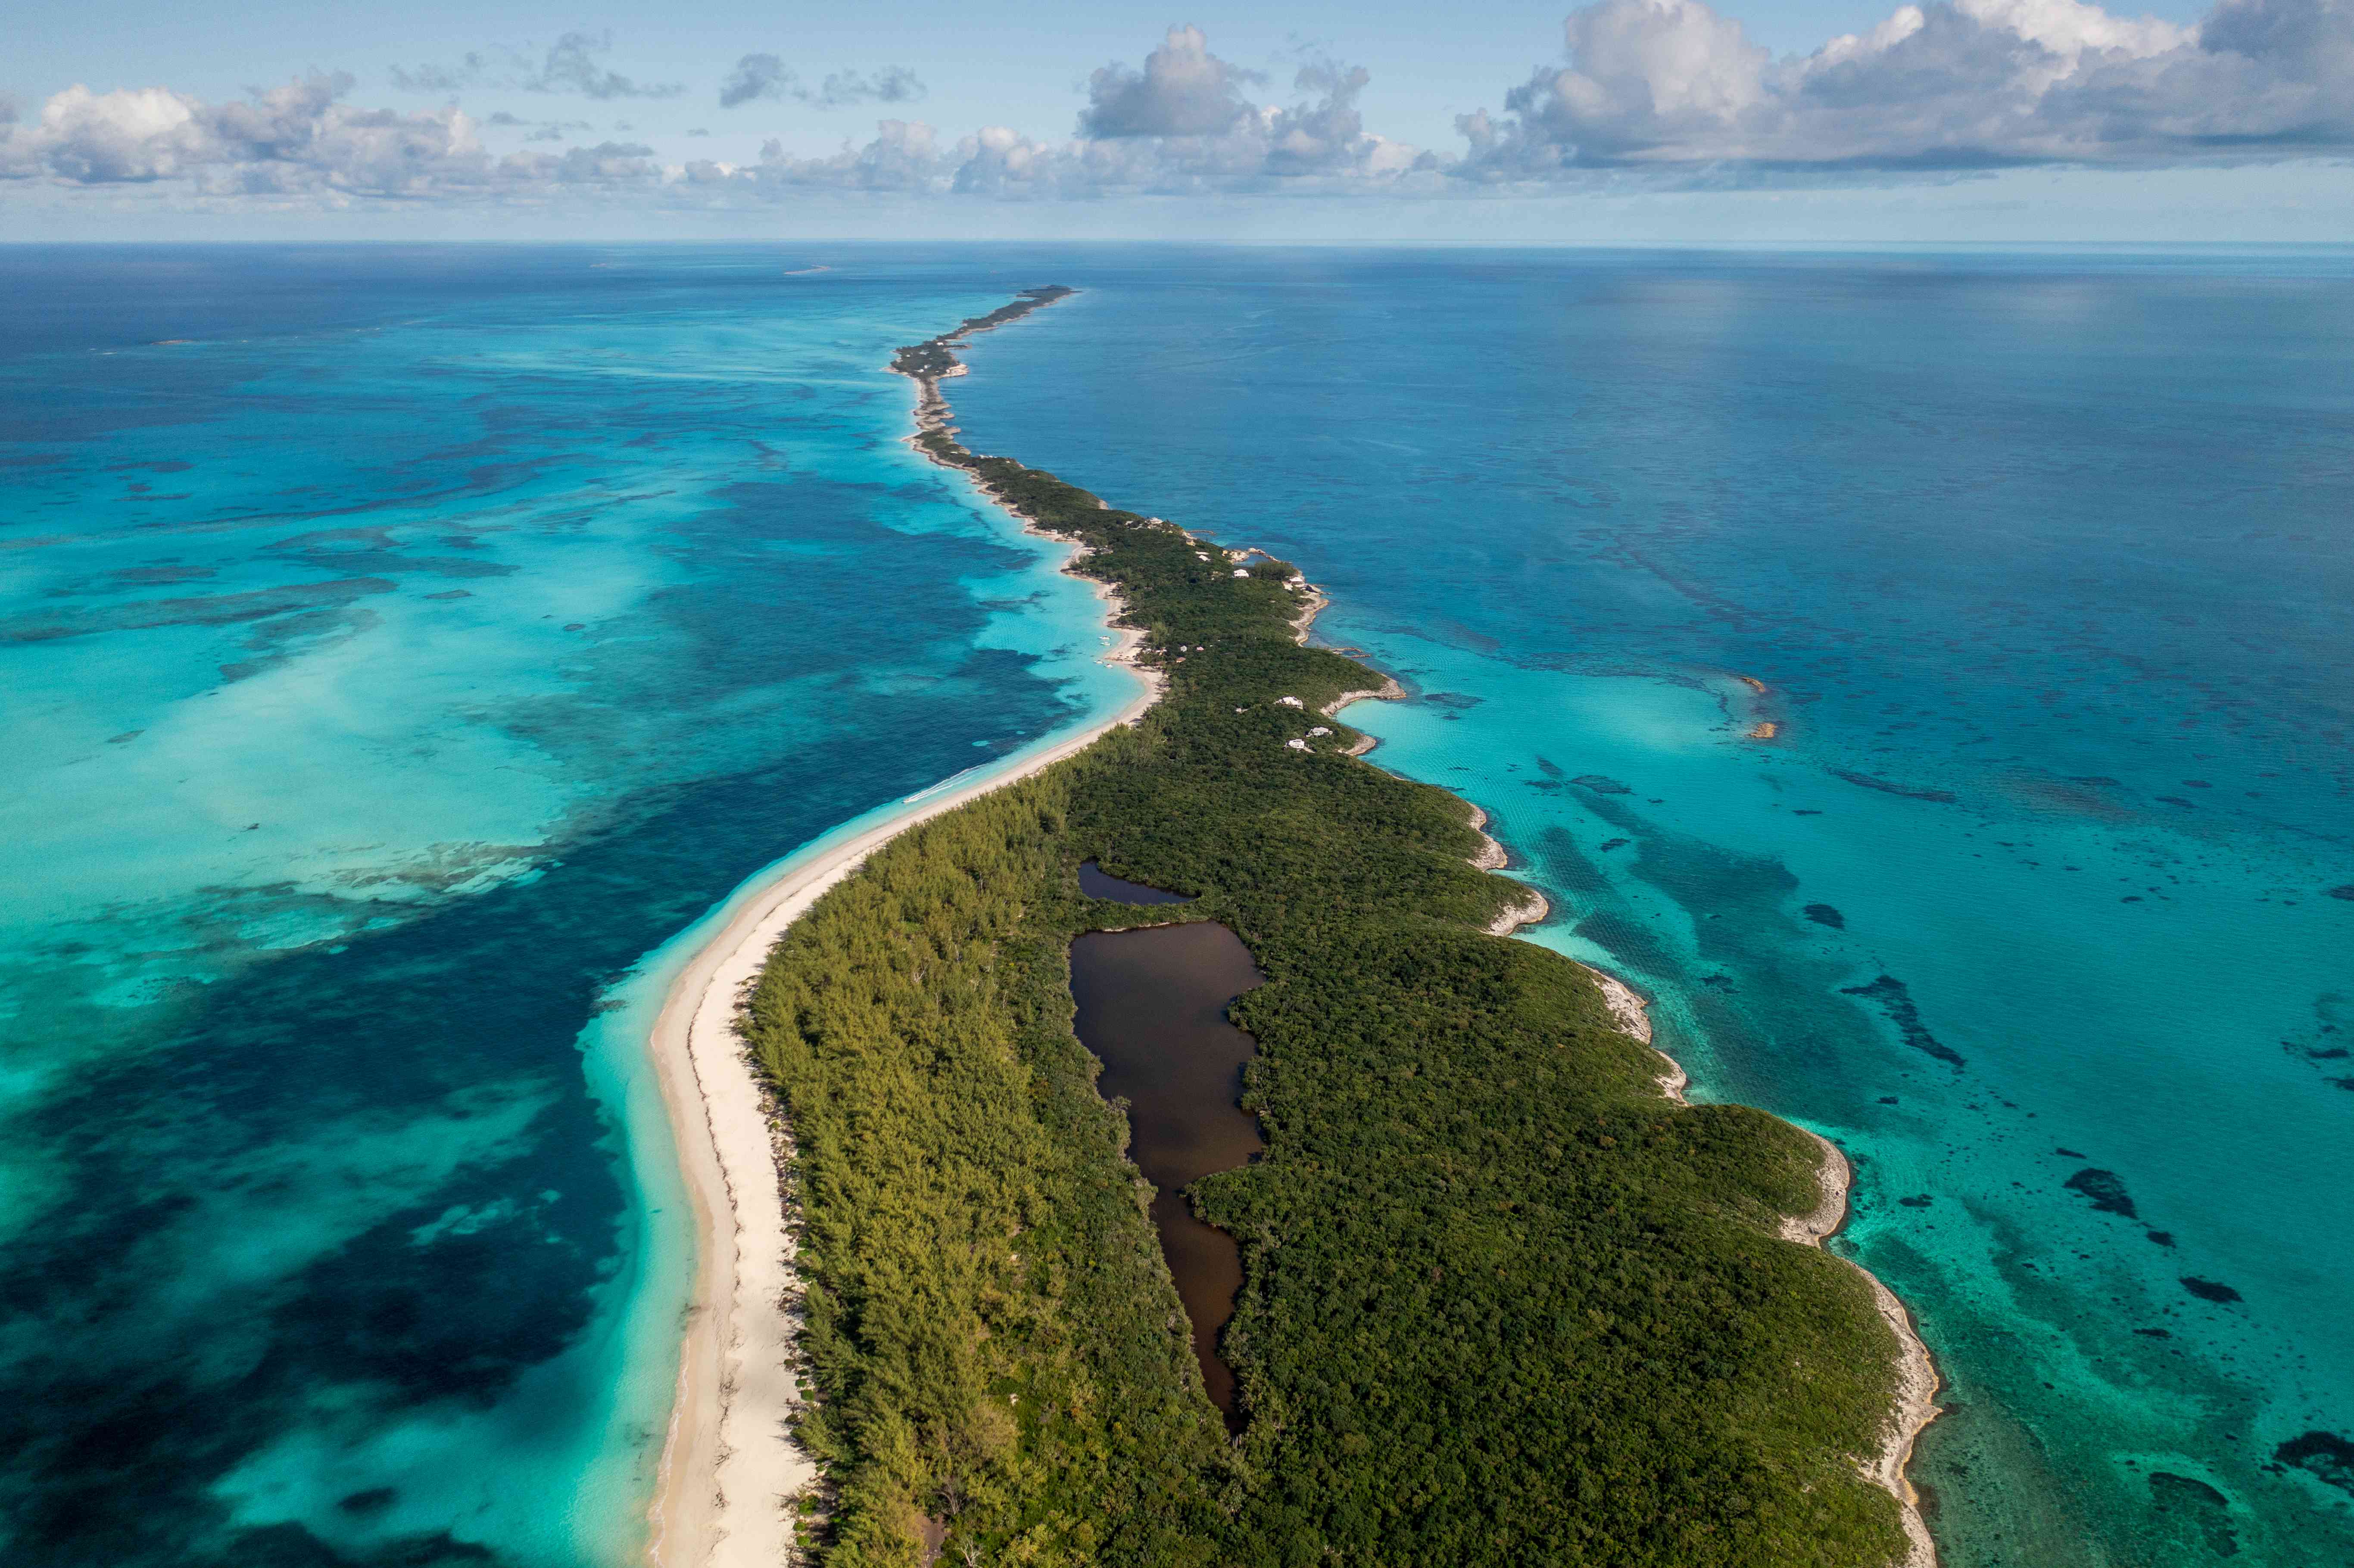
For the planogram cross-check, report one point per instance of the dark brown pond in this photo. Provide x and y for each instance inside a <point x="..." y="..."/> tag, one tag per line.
<point x="1153" y="1006"/>
<point x="1097" y="883"/>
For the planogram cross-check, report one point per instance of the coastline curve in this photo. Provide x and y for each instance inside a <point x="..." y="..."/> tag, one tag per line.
<point x="731" y="1469"/>
<point x="728" y="1442"/>
<point x="1916" y="1372"/>
<point x="1917" y="1380"/>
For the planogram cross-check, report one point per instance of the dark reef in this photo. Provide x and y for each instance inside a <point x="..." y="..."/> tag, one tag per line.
<point x="2325" y="1454"/>
<point x="1897" y="1002"/>
<point x="1940" y="797"/>
<point x="2106" y="1189"/>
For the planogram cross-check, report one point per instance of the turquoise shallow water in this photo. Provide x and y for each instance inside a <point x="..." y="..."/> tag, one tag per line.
<point x="390" y="670"/>
<point x="2044" y="565"/>
<point x="396" y="669"/>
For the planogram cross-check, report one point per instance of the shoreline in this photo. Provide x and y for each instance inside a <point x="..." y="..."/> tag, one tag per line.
<point x="1915" y="1405"/>
<point x="1916" y="1370"/>
<point x="1532" y="908"/>
<point x="730" y="1469"/>
<point x="728" y="1443"/>
<point x="1917" y="1382"/>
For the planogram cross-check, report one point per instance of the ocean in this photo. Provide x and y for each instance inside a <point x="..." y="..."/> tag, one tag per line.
<point x="2041" y="565"/>
<point x="390" y="671"/>
<point x="1925" y="675"/>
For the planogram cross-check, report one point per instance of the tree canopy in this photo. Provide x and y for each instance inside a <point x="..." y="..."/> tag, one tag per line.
<point x="1503" y="1303"/>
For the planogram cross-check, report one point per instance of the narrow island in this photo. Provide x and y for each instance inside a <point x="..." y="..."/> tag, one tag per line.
<point x="1505" y="1297"/>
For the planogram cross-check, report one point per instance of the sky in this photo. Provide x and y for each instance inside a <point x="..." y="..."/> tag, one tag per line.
<point x="1505" y="120"/>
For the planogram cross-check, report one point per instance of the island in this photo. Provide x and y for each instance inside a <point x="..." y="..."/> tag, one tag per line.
<point x="1505" y="1296"/>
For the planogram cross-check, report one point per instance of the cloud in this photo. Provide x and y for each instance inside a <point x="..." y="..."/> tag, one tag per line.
<point x="305" y="138"/>
<point x="766" y="76"/>
<point x="1182" y="90"/>
<point x="1316" y="145"/>
<point x="1317" y="142"/>
<point x="1670" y="86"/>
<point x="904" y="155"/>
<point x="540" y="129"/>
<point x="440" y="78"/>
<point x="571" y="67"/>
<point x="300" y="139"/>
<point x="138" y="136"/>
<point x="892" y="84"/>
<point x="1328" y="133"/>
<point x="756" y="76"/>
<point x="607" y="163"/>
<point x="1651" y="94"/>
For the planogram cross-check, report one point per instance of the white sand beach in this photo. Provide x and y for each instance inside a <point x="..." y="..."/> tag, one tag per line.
<point x="729" y="1468"/>
<point x="1916" y="1373"/>
<point x="1916" y="1376"/>
<point x="1917" y="1382"/>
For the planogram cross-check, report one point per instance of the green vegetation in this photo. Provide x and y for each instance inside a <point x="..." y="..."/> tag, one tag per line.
<point x="1504" y="1303"/>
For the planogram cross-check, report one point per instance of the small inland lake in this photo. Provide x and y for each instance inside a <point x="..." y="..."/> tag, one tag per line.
<point x="1152" y="1007"/>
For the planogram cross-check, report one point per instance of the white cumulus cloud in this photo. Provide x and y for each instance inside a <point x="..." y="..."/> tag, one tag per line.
<point x="1182" y="90"/>
<point x="1666" y="85"/>
<point x="1647" y="93"/>
<point x="300" y="138"/>
<point x="1179" y="126"/>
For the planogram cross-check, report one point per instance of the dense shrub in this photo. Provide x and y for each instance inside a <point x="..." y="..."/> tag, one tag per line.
<point x="1503" y="1303"/>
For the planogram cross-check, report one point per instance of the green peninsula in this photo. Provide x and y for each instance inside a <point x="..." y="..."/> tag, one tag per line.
<point x="1503" y="1302"/>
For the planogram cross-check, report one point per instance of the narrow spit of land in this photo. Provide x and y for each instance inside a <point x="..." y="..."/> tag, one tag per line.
<point x="1503" y="1302"/>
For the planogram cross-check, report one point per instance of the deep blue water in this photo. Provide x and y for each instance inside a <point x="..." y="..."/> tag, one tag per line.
<point x="337" y="1227"/>
<point x="385" y="671"/>
<point x="2042" y="566"/>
